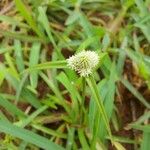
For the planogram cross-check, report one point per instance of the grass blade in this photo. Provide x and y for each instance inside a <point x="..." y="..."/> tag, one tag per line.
<point x="22" y="37"/>
<point x="145" y="141"/>
<point x="11" y="107"/>
<point x="129" y="86"/>
<point x="49" y="65"/>
<point x="28" y="136"/>
<point x="27" y="15"/>
<point x="24" y="122"/>
<point x="19" y="55"/>
<point x="33" y="60"/>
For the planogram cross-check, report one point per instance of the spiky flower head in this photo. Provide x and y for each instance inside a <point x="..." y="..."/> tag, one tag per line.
<point x="83" y="62"/>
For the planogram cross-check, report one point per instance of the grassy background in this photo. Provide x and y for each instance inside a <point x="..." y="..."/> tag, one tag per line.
<point x="43" y="104"/>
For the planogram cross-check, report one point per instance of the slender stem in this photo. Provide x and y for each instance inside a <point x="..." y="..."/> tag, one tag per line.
<point x="82" y="110"/>
<point x="83" y="90"/>
<point x="92" y="84"/>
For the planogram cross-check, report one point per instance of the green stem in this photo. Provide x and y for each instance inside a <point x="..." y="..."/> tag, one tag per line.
<point x="82" y="110"/>
<point x="92" y="84"/>
<point x="83" y="89"/>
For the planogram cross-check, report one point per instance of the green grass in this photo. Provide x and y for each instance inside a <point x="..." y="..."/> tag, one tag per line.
<point x="46" y="105"/>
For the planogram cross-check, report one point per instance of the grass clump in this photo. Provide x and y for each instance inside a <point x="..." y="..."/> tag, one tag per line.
<point x="55" y="93"/>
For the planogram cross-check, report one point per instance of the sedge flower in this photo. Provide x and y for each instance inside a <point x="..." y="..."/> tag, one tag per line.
<point x="84" y="62"/>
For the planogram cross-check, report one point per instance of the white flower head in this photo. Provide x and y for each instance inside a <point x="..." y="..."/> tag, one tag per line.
<point x="83" y="62"/>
